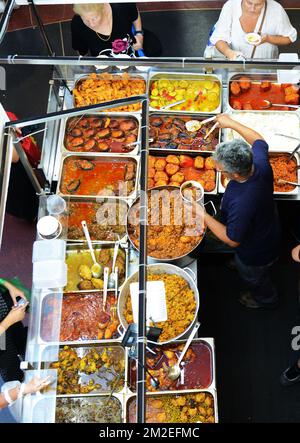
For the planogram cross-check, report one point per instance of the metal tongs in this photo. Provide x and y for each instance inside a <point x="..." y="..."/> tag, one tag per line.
<point x="292" y="138"/>
<point x="294" y="151"/>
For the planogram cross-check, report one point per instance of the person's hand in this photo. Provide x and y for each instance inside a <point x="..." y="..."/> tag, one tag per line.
<point x="264" y="39"/>
<point x="36" y="384"/>
<point x="16" y="314"/>
<point x="233" y="55"/>
<point x="14" y="292"/>
<point x="224" y="121"/>
<point x="295" y="253"/>
<point x="139" y="42"/>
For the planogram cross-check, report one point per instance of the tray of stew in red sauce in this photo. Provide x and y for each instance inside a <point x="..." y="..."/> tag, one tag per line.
<point x="170" y="132"/>
<point x="100" y="133"/>
<point x="82" y="317"/>
<point x="253" y="92"/>
<point x="106" y="219"/>
<point x="197" y="366"/>
<point x="102" y="176"/>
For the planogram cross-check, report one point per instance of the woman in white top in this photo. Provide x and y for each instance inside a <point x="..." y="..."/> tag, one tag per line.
<point x="240" y="17"/>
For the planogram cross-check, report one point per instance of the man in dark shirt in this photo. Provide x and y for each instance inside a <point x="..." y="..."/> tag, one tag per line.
<point x="249" y="222"/>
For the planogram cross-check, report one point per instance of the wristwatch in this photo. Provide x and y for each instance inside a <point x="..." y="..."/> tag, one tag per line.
<point x="139" y="32"/>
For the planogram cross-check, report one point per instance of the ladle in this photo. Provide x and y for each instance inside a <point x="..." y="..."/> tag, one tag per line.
<point x="281" y="181"/>
<point x="170" y="105"/>
<point x="96" y="268"/>
<point x="175" y="371"/>
<point x="266" y="104"/>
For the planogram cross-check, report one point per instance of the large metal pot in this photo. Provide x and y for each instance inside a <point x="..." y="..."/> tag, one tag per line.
<point x="182" y="260"/>
<point x="160" y="268"/>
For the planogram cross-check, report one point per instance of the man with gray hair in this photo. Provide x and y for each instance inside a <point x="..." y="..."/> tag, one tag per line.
<point x="249" y="222"/>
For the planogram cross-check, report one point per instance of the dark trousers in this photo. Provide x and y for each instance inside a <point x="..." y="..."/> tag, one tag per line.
<point x="258" y="280"/>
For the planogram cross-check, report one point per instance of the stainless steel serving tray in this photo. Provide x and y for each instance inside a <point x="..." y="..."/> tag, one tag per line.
<point x="82" y="349"/>
<point x="174" y="394"/>
<point x="64" y="219"/>
<point x="77" y="248"/>
<point x="132" y="75"/>
<point x="100" y="398"/>
<point x="272" y="154"/>
<point x="104" y="158"/>
<point x="268" y="124"/>
<point x="136" y="116"/>
<point x="53" y="322"/>
<point x="209" y="342"/>
<point x="191" y="117"/>
<point x="165" y="152"/>
<point x="157" y="75"/>
<point x="253" y="77"/>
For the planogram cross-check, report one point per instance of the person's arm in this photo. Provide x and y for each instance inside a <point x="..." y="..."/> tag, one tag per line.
<point x="226" y="50"/>
<point x="278" y="40"/>
<point x="15" y="156"/>
<point x="139" y="36"/>
<point x="219" y="230"/>
<point x="248" y="134"/>
<point x="15" y="315"/>
<point x="33" y="386"/>
<point x="13" y="291"/>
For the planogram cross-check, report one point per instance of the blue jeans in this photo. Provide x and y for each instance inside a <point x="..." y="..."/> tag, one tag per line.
<point x="259" y="281"/>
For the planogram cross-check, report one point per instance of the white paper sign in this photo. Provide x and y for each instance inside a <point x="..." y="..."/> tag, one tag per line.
<point x="156" y="308"/>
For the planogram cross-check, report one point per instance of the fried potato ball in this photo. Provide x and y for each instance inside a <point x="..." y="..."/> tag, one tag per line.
<point x="171" y="169"/>
<point x="199" y="162"/>
<point x="173" y="159"/>
<point x="151" y="172"/>
<point x="210" y="163"/>
<point x="178" y="177"/>
<point x="161" y="175"/>
<point x="160" y="164"/>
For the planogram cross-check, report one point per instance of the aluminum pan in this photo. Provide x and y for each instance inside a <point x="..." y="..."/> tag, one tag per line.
<point x="75" y="248"/>
<point x="96" y="200"/>
<point x="56" y="342"/>
<point x="135" y="115"/>
<point x="221" y="188"/>
<point x="255" y="77"/>
<point x="179" y="114"/>
<point x="165" y="152"/>
<point x="207" y="341"/>
<point x="81" y="349"/>
<point x="275" y="141"/>
<point x="157" y="75"/>
<point x="132" y="75"/>
<point x="92" y="156"/>
<point x="213" y="392"/>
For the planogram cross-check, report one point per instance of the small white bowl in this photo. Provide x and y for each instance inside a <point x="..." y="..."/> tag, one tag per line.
<point x="189" y="185"/>
<point x="252" y="38"/>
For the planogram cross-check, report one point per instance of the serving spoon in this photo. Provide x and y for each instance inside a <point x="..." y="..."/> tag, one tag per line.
<point x="96" y="267"/>
<point x="281" y="181"/>
<point x="175" y="371"/>
<point x="266" y="104"/>
<point x="112" y="277"/>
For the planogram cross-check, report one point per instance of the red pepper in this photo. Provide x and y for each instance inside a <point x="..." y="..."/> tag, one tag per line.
<point x="186" y="161"/>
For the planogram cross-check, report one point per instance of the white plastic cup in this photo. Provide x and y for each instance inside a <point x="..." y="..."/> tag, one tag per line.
<point x="49" y="227"/>
<point x="56" y="205"/>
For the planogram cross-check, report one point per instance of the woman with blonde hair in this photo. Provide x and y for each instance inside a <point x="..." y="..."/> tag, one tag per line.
<point x="97" y="27"/>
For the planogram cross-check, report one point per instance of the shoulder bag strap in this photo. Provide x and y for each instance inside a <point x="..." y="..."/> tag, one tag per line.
<point x="261" y="25"/>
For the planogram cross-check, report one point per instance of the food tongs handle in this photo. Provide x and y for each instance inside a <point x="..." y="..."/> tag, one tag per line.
<point x="294" y="151"/>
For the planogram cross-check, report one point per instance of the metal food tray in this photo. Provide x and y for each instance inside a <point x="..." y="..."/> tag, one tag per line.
<point x="75" y="248"/>
<point x="157" y="75"/>
<point x="105" y="158"/>
<point x="83" y="348"/>
<point x="96" y="200"/>
<point x="207" y="341"/>
<point x="193" y="116"/>
<point x="96" y="398"/>
<point x="165" y="152"/>
<point x="132" y="75"/>
<point x="57" y="342"/>
<point x="276" y="139"/>
<point x="272" y="154"/>
<point x="253" y="77"/>
<point x="213" y="392"/>
<point x="124" y="115"/>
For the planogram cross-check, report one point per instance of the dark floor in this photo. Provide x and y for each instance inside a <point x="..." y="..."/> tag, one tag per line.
<point x="252" y="347"/>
